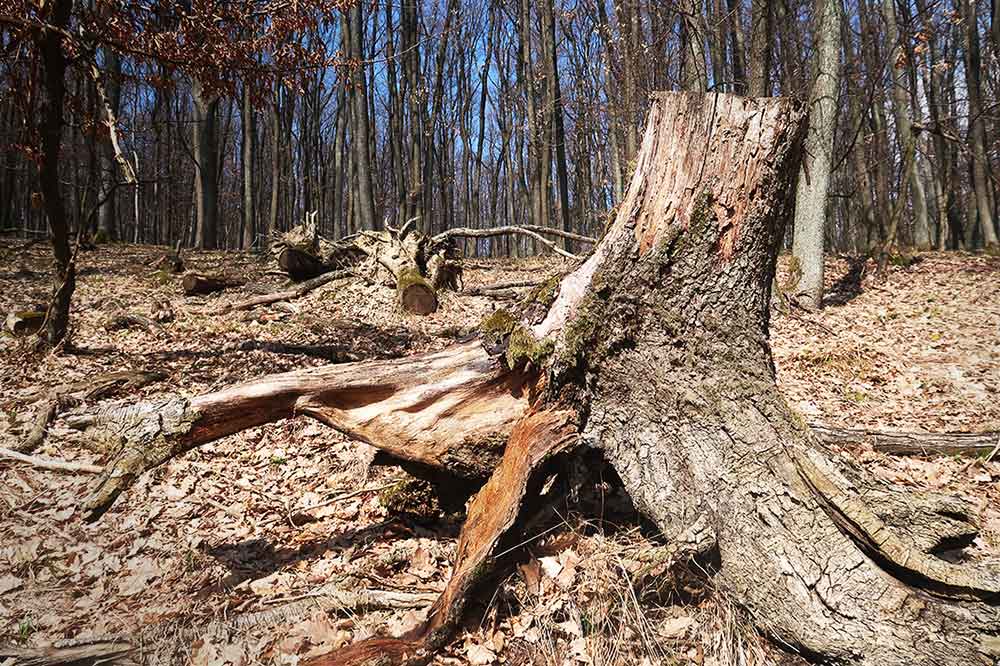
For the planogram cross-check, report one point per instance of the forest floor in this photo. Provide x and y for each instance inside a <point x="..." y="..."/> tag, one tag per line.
<point x="294" y="512"/>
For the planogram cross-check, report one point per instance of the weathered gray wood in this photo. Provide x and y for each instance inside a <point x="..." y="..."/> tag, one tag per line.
<point x="912" y="443"/>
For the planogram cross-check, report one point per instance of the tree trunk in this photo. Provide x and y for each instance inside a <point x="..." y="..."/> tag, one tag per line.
<point x="737" y="48"/>
<point x="361" y="132"/>
<point x="247" y="150"/>
<point x="761" y="47"/>
<point x="106" y="222"/>
<point x="654" y="352"/>
<point x="50" y="132"/>
<point x="205" y="140"/>
<point x="558" y="129"/>
<point x="693" y="75"/>
<point x="977" y="131"/>
<point x="814" y="182"/>
<point x="901" y="110"/>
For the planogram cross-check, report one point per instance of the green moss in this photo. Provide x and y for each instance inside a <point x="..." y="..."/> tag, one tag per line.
<point x="524" y="346"/>
<point x="412" y="498"/>
<point x="794" y="275"/>
<point x="701" y="213"/>
<point x="580" y="334"/>
<point x="495" y="329"/>
<point x="101" y="237"/>
<point x="545" y="293"/>
<point x="903" y="260"/>
<point x="409" y="277"/>
<point x="500" y="323"/>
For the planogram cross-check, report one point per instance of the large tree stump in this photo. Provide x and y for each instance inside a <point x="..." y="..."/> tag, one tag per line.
<point x="655" y="352"/>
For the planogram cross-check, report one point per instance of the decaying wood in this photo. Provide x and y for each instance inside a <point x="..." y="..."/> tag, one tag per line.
<point x="93" y="388"/>
<point x="451" y="410"/>
<point x="535" y="439"/>
<point x="121" y="321"/>
<point x="197" y="284"/>
<point x="86" y="652"/>
<point x="25" y="322"/>
<point x="52" y="464"/>
<point x="156" y="644"/>
<point x="653" y="351"/>
<point x="172" y="262"/>
<point x="530" y="231"/>
<point x="46" y="412"/>
<point x="913" y="443"/>
<point x="418" y="265"/>
<point x="500" y="287"/>
<point x="297" y="291"/>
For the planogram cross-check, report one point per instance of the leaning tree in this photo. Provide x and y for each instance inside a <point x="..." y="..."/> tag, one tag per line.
<point x="655" y="352"/>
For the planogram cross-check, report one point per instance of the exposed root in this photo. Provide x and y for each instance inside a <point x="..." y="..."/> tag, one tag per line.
<point x="858" y="520"/>
<point x="534" y="440"/>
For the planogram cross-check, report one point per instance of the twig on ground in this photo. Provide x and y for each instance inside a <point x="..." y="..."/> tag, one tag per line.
<point x="51" y="464"/>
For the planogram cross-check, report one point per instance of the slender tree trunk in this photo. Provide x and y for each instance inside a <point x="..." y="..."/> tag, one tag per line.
<point x="761" y="47"/>
<point x="814" y="181"/>
<point x="275" y="112"/>
<point x="693" y="75"/>
<point x="353" y="27"/>
<point x="737" y="47"/>
<point x="977" y="131"/>
<point x="901" y="111"/>
<point x="247" y="150"/>
<point x="106" y="218"/>
<point x="50" y="131"/>
<point x="559" y="130"/>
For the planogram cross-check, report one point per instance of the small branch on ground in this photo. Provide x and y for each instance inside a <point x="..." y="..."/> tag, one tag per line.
<point x="51" y="464"/>
<point x="490" y="289"/>
<point x="288" y="294"/>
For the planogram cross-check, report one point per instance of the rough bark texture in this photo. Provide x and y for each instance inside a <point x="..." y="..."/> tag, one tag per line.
<point x="810" y="202"/>
<point x="655" y="352"/>
<point x="672" y="350"/>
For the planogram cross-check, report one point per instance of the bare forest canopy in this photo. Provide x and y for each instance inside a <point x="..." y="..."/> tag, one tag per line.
<point x="480" y="113"/>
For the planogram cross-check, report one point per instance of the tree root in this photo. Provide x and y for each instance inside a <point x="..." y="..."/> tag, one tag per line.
<point x="535" y="439"/>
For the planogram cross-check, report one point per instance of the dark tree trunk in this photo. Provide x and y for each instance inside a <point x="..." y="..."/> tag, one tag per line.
<point x="50" y="131"/>
<point x="761" y="47"/>
<point x="205" y="140"/>
<point x="655" y="352"/>
<point x="247" y="150"/>
<point x="558" y="127"/>
<point x="353" y="28"/>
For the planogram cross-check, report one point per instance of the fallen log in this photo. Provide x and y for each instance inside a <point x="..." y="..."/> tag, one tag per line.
<point x="289" y="294"/>
<point x="198" y="284"/>
<point x="25" y="322"/>
<point x="418" y="265"/>
<point x="654" y="352"/>
<point x="913" y="443"/>
<point x="500" y="287"/>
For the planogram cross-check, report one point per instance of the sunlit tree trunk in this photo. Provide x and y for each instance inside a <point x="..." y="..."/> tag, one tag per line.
<point x="814" y="180"/>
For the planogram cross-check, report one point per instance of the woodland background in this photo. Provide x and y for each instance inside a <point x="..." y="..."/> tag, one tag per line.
<point x="485" y="112"/>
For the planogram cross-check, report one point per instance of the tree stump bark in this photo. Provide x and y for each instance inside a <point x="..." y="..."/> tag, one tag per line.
<point x="655" y="352"/>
